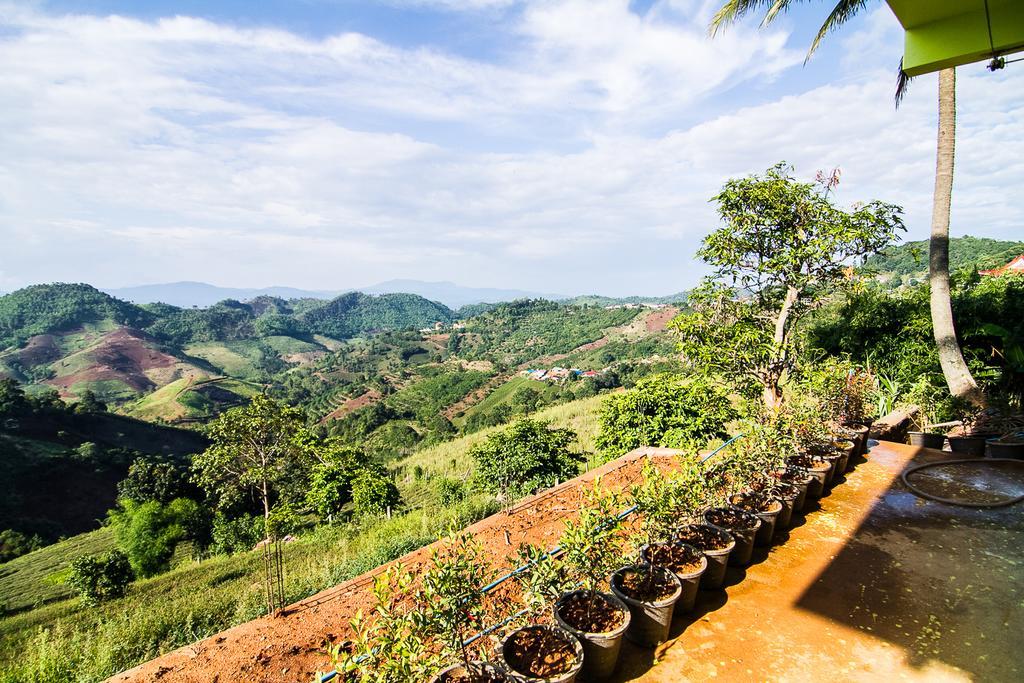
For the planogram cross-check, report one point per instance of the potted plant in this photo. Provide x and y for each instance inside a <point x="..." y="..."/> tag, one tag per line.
<point x="591" y="547"/>
<point x="656" y="501"/>
<point x="842" y="394"/>
<point x="741" y="525"/>
<point x="453" y="602"/>
<point x="924" y="395"/>
<point x="970" y="439"/>
<point x="804" y="423"/>
<point x="750" y="473"/>
<point x="692" y="494"/>
<point x="541" y="652"/>
<point x="715" y="544"/>
<point x="1009" y="445"/>
<point x="845" y="449"/>
<point x="857" y="407"/>
<point x="800" y="480"/>
<point x="651" y="593"/>
<point x="389" y="647"/>
<point x="816" y="467"/>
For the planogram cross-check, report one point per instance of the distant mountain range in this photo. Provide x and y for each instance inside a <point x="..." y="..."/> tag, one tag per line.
<point x="201" y="294"/>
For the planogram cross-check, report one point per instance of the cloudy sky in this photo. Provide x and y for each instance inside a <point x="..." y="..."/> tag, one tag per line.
<point x="560" y="145"/>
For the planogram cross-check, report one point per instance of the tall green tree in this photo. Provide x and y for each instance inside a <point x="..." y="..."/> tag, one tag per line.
<point x="958" y="376"/>
<point x="782" y="244"/>
<point x="255" y="450"/>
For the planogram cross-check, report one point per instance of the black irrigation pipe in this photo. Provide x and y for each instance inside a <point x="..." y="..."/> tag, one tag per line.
<point x="554" y="552"/>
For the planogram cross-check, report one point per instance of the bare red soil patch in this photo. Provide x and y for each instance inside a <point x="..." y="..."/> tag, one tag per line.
<point x="353" y="404"/>
<point x="290" y="647"/>
<point x="658" y="320"/>
<point x="124" y="355"/>
<point x="40" y="350"/>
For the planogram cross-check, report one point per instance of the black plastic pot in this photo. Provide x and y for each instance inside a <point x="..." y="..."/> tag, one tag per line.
<point x="927" y="440"/>
<point x="833" y="467"/>
<point x="863" y="433"/>
<point x="744" y="535"/>
<point x="689" y="581"/>
<point x="718" y="558"/>
<point x="600" y="650"/>
<point x="553" y="632"/>
<point x="768" y="518"/>
<point x="846" y="451"/>
<point x="788" y="497"/>
<point x="819" y="472"/>
<point x="972" y="446"/>
<point x="1006" y="449"/>
<point x="650" y="620"/>
<point x="494" y="672"/>
<point x="802" y="483"/>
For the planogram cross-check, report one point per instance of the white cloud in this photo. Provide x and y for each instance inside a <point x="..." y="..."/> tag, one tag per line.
<point x="136" y="151"/>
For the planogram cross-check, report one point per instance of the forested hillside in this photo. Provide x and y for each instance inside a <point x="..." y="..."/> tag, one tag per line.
<point x="60" y="464"/>
<point x="44" y="309"/>
<point x="74" y="338"/>
<point x="359" y="368"/>
<point x="911" y="258"/>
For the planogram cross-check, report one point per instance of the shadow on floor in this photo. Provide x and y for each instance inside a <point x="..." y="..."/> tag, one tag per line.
<point x="941" y="582"/>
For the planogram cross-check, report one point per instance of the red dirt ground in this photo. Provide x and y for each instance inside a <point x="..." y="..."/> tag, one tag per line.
<point x="123" y="355"/>
<point x="659" y="319"/>
<point x="290" y="647"/>
<point x="353" y="404"/>
<point x="40" y="350"/>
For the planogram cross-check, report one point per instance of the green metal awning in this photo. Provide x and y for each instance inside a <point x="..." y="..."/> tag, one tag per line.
<point x="945" y="33"/>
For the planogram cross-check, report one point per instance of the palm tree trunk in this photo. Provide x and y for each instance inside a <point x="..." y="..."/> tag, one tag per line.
<point x="954" y="368"/>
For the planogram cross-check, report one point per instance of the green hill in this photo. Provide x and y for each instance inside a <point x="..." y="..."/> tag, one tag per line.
<point x="42" y="309"/>
<point x="911" y="258"/>
<point x="80" y="457"/>
<point x="355" y="313"/>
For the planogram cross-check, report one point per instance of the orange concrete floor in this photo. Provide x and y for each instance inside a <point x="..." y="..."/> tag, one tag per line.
<point x="873" y="584"/>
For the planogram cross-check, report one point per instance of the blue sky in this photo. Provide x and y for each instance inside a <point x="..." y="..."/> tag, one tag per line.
<point x="563" y="146"/>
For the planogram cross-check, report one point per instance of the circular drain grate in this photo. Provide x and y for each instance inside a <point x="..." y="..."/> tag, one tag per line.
<point x="979" y="483"/>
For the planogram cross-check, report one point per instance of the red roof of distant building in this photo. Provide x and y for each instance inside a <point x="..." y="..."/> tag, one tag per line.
<point x="1016" y="266"/>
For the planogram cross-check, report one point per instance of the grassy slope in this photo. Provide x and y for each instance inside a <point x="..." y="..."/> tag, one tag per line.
<point x="200" y="598"/>
<point x="450" y="460"/>
<point x="501" y="395"/>
<point x="232" y="357"/>
<point x="38" y="577"/>
<point x="176" y="401"/>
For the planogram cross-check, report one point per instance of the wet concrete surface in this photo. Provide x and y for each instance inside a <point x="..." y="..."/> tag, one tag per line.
<point x="874" y="583"/>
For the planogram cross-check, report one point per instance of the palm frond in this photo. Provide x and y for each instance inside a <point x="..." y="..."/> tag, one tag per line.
<point x="733" y="10"/>
<point x="902" y="83"/>
<point x="840" y="14"/>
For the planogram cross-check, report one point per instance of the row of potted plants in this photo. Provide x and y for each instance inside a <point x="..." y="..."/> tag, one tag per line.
<point x="688" y="531"/>
<point x="612" y="577"/>
<point x="973" y="432"/>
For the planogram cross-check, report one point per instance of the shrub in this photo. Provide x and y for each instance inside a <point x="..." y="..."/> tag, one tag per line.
<point x="527" y="456"/>
<point x="15" y="544"/>
<point x="99" y="578"/>
<point x="450" y="491"/>
<point x="236" y="535"/>
<point x="373" y="492"/>
<point x="330" y="486"/>
<point x="149" y="532"/>
<point x="664" y="410"/>
<point x="155" y="479"/>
